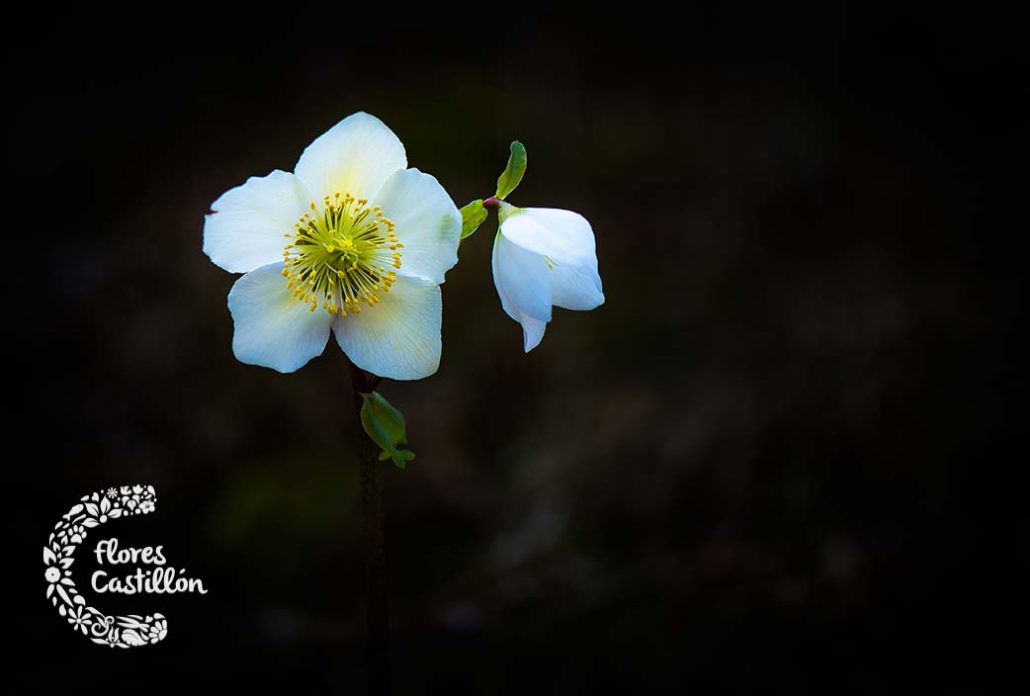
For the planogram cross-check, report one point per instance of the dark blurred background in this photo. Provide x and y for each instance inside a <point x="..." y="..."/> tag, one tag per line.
<point x="774" y="460"/>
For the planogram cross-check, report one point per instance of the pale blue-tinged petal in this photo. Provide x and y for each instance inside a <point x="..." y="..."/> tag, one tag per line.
<point x="576" y="287"/>
<point x="355" y="156"/>
<point x="532" y="332"/>
<point x="522" y="280"/>
<point x="246" y="228"/>
<point x="399" y="337"/>
<point x="523" y="284"/>
<point x="561" y="235"/>
<point x="428" y="223"/>
<point x="272" y="328"/>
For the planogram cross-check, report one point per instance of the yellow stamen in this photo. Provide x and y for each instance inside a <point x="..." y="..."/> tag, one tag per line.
<point x="337" y="258"/>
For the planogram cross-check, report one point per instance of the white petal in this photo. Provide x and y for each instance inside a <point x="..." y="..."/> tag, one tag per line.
<point x="272" y="328"/>
<point x="532" y="332"/>
<point x="576" y="287"/>
<point x="522" y="280"/>
<point x="428" y="223"/>
<point x="562" y="235"/>
<point x="246" y="229"/>
<point x="524" y="286"/>
<point x="398" y="338"/>
<point x="355" y="156"/>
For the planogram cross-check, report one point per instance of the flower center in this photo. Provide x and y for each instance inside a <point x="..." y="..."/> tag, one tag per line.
<point x="342" y="256"/>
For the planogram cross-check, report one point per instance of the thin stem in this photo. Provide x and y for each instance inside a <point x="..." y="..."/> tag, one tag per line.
<point x="376" y="597"/>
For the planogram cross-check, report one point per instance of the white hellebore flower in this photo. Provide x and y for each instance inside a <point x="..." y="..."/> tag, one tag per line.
<point x="544" y="257"/>
<point x="352" y="241"/>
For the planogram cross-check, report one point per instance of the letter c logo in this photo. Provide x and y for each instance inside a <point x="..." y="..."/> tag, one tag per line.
<point x="58" y="556"/>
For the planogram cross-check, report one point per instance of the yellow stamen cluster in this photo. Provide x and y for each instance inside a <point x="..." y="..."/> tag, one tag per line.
<point x="341" y="255"/>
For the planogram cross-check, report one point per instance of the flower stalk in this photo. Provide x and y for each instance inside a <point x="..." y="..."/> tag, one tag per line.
<point x="376" y="597"/>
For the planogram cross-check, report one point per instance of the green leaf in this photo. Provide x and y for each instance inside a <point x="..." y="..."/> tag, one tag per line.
<point x="512" y="175"/>
<point x="385" y="425"/>
<point x="472" y="216"/>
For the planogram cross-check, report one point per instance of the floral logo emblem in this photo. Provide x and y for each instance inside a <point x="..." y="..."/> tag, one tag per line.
<point x="92" y="511"/>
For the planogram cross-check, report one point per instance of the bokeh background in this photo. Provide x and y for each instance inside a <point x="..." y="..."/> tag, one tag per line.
<point x="774" y="459"/>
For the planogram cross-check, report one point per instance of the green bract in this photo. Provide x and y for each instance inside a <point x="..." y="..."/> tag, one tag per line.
<point x="512" y="175"/>
<point x="472" y="216"/>
<point x="385" y="425"/>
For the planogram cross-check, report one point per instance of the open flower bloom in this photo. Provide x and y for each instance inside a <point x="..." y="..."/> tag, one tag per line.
<point x="544" y="257"/>
<point x="352" y="241"/>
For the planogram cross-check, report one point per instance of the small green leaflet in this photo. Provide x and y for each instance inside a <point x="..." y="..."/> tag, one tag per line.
<point x="385" y="425"/>
<point x="472" y="216"/>
<point x="512" y="175"/>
